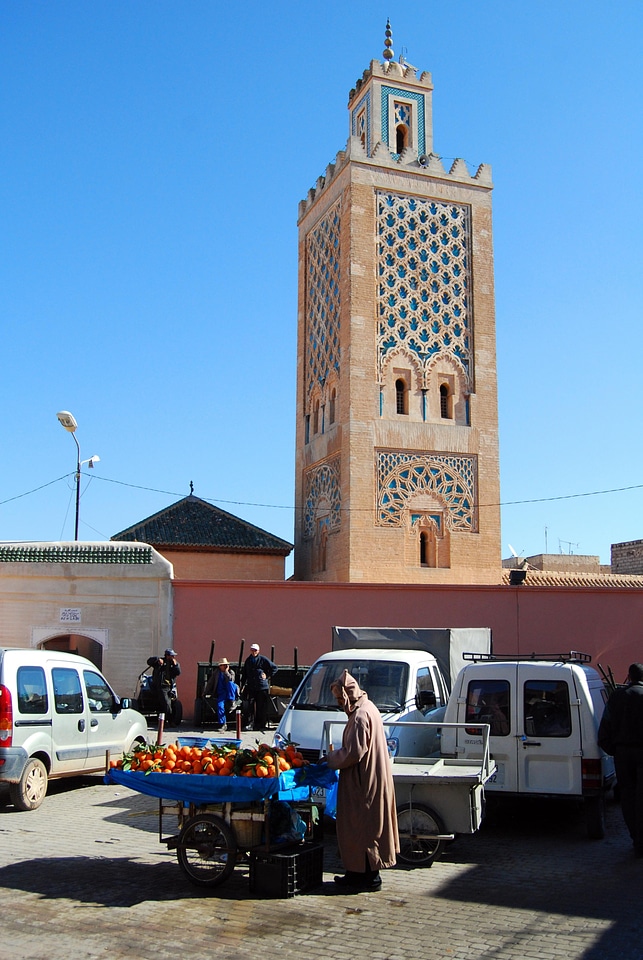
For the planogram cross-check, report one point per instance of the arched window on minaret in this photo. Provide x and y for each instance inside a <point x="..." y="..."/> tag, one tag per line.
<point x="445" y="402"/>
<point x="402" y="126"/>
<point x="401" y="396"/>
<point x="331" y="406"/>
<point x="316" y="418"/>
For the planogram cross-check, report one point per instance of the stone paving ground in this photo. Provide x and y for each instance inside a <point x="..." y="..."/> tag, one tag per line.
<point x="84" y="877"/>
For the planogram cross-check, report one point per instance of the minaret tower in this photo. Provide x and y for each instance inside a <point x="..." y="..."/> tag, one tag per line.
<point x="397" y="475"/>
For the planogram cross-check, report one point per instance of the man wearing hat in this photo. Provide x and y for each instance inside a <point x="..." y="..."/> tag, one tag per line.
<point x="255" y="677"/>
<point x="222" y="687"/>
<point x="165" y="670"/>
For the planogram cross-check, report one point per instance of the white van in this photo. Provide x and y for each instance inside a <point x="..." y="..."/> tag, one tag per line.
<point x="58" y="717"/>
<point x="544" y="717"/>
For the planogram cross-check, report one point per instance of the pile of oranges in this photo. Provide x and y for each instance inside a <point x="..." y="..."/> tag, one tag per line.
<point x="221" y="761"/>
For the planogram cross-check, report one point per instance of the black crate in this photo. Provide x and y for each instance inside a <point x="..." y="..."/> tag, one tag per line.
<point x="284" y="875"/>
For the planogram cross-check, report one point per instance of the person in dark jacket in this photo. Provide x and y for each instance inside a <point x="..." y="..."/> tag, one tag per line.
<point x="222" y="687"/>
<point x="621" y="735"/>
<point x="165" y="670"/>
<point x="255" y="678"/>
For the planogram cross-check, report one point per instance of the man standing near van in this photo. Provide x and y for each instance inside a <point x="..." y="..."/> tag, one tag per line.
<point x="165" y="670"/>
<point x="621" y="735"/>
<point x="255" y="678"/>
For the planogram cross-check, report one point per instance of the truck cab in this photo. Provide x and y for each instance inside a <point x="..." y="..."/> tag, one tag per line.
<point x="403" y="685"/>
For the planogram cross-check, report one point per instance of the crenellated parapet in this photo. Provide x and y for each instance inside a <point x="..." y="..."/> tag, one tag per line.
<point x="426" y="165"/>
<point x="391" y="70"/>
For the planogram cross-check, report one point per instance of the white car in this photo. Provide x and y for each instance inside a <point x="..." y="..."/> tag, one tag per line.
<point x="59" y="717"/>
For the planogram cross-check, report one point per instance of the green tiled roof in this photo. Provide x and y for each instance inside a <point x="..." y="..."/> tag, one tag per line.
<point x="194" y="523"/>
<point x="74" y="553"/>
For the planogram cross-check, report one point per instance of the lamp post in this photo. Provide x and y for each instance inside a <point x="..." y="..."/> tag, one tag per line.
<point x="68" y="421"/>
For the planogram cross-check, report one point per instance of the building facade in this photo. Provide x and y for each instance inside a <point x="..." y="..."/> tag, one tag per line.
<point x="397" y="472"/>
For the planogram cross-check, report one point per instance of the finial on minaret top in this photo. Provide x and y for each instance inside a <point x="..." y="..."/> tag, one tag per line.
<point x="389" y="53"/>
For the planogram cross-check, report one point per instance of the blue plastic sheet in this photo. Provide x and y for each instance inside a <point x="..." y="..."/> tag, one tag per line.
<point x="201" y="789"/>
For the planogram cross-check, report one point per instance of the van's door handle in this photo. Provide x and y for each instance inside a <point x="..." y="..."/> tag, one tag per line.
<point x="530" y="743"/>
<point x="93" y="722"/>
<point x="81" y="725"/>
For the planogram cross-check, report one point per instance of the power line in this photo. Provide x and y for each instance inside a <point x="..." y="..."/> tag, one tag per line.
<point x="278" y="506"/>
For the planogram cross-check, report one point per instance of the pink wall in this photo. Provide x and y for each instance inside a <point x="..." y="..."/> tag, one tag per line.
<point x="605" y="622"/>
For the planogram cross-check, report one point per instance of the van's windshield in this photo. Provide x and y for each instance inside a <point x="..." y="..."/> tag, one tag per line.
<point x="385" y="682"/>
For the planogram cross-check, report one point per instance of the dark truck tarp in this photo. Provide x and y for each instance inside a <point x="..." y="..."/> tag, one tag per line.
<point x="447" y="644"/>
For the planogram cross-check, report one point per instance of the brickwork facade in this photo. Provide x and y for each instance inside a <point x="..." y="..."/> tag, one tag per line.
<point x="627" y="557"/>
<point x="397" y="470"/>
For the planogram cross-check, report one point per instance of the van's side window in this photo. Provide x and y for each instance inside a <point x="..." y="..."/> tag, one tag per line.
<point x="32" y="690"/>
<point x="68" y="697"/>
<point x="547" y="710"/>
<point x="488" y="702"/>
<point x="99" y="696"/>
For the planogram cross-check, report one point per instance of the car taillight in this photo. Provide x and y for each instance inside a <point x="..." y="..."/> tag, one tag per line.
<point x="6" y="717"/>
<point x="592" y="774"/>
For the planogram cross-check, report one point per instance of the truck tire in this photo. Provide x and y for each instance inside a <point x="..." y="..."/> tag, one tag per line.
<point x="595" y="816"/>
<point x="30" y="790"/>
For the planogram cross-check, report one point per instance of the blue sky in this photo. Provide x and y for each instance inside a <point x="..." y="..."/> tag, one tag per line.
<point x="152" y="157"/>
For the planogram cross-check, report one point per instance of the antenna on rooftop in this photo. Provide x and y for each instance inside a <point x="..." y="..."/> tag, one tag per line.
<point x="569" y="544"/>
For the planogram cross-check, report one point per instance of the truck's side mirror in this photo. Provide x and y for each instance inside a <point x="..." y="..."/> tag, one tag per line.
<point x="425" y="700"/>
<point x="124" y="703"/>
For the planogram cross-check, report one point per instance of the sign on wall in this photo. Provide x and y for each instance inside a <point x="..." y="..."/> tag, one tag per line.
<point x="70" y="615"/>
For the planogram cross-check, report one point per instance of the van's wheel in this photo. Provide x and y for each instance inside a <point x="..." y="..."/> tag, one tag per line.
<point x="206" y="850"/>
<point x="595" y="816"/>
<point x="417" y="825"/>
<point x="30" y="790"/>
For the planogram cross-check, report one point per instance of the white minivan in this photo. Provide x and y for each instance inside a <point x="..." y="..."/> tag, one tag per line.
<point x="58" y="717"/>
<point x="543" y="717"/>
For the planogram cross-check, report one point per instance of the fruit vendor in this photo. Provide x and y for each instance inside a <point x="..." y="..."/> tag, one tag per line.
<point x="366" y="815"/>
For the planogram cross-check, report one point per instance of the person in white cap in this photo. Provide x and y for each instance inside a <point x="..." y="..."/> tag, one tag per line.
<point x="222" y="687"/>
<point x="255" y="679"/>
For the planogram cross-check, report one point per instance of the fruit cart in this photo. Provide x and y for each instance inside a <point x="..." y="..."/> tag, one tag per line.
<point x="224" y="821"/>
<point x="437" y="797"/>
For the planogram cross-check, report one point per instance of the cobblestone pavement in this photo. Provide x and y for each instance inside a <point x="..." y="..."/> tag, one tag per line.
<point x="84" y="877"/>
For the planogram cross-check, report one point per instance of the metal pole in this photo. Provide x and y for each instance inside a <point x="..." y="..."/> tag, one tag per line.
<point x="77" y="487"/>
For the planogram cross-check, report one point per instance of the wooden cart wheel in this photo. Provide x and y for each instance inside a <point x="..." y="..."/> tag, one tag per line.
<point x="416" y="825"/>
<point x="207" y="850"/>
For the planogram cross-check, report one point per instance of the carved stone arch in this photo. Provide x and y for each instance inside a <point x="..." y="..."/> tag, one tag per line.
<point x="316" y="402"/>
<point x="401" y="367"/>
<point x="401" y="357"/>
<point x="428" y="541"/>
<point x="331" y="397"/>
<point x="441" y="370"/>
<point x="405" y="479"/>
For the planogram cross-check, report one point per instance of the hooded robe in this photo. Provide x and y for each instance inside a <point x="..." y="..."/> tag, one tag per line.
<point x="366" y="814"/>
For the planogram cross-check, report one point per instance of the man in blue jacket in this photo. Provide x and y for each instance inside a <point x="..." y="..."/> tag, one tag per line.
<point x="621" y="735"/>
<point x="255" y="679"/>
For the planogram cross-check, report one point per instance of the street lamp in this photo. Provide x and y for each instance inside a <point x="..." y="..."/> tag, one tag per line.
<point x="67" y="420"/>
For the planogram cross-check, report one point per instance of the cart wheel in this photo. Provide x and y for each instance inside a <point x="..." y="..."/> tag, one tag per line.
<point x="416" y="824"/>
<point x="207" y="850"/>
